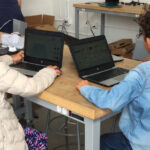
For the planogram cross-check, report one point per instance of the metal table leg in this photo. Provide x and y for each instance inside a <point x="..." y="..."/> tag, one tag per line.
<point x="102" y="24"/>
<point x="77" y="23"/>
<point x="28" y="111"/>
<point x="92" y="134"/>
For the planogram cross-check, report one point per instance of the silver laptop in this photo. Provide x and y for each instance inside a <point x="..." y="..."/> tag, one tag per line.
<point x="42" y="48"/>
<point x="94" y="61"/>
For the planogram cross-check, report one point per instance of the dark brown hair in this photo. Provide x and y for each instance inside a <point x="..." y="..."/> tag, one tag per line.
<point x="144" y="22"/>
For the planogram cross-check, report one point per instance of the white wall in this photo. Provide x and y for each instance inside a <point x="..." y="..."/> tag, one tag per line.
<point x="116" y="27"/>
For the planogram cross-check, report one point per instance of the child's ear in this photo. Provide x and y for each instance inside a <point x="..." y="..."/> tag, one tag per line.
<point x="148" y="42"/>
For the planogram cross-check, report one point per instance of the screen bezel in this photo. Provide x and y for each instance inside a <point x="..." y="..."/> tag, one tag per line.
<point x="93" y="69"/>
<point x="42" y="61"/>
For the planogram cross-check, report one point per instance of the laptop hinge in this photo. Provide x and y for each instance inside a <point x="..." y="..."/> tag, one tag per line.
<point x="92" y="74"/>
<point x="33" y="63"/>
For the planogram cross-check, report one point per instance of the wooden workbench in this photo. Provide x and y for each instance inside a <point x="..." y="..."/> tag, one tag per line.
<point x="64" y="93"/>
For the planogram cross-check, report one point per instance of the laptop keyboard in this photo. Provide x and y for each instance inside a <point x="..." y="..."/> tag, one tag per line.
<point x="29" y="66"/>
<point x="108" y="74"/>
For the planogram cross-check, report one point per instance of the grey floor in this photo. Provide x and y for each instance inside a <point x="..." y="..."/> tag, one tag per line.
<point x="58" y="142"/>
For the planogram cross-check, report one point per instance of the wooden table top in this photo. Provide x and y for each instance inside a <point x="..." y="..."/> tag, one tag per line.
<point x="138" y="9"/>
<point x="63" y="92"/>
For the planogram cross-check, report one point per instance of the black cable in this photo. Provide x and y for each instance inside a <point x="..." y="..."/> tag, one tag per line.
<point x="87" y="22"/>
<point x="63" y="28"/>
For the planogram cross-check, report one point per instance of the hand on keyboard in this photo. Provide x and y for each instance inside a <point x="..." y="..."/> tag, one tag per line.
<point x="18" y="57"/>
<point x="58" y="71"/>
<point x="82" y="83"/>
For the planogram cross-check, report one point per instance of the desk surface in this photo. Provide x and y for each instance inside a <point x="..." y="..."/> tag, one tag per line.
<point x="46" y="27"/>
<point x="64" y="93"/>
<point x="138" y="9"/>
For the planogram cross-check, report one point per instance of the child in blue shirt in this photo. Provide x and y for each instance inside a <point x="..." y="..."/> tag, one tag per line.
<point x="133" y="96"/>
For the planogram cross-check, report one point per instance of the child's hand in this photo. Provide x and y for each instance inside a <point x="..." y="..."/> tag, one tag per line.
<point x="18" y="57"/>
<point x="58" y="71"/>
<point x="82" y="83"/>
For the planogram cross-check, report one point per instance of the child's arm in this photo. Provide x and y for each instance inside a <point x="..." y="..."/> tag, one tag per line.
<point x="115" y="99"/>
<point x="6" y="59"/>
<point x="16" y="83"/>
<point x="18" y="57"/>
<point x="13" y="58"/>
<point x="19" y="3"/>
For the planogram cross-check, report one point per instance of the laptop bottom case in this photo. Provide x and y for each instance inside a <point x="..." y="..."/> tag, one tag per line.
<point x="25" y="71"/>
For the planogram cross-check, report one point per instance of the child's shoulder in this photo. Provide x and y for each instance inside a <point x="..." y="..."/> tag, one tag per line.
<point x="145" y="64"/>
<point x="144" y="67"/>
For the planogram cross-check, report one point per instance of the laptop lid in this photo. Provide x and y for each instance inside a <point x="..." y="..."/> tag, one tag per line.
<point x="91" y="55"/>
<point x="43" y="47"/>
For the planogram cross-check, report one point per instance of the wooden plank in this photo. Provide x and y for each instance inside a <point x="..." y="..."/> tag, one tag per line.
<point x="138" y="9"/>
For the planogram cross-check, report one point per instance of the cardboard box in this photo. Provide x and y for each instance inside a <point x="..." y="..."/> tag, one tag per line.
<point x="46" y="27"/>
<point x="123" y="47"/>
<point x="37" y="20"/>
<point x="124" y="50"/>
<point x="121" y="43"/>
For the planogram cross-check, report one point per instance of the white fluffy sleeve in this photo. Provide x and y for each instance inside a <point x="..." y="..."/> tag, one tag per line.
<point x="11" y="81"/>
<point x="7" y="59"/>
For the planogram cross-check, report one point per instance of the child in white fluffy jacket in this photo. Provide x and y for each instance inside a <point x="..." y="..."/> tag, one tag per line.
<point x="11" y="81"/>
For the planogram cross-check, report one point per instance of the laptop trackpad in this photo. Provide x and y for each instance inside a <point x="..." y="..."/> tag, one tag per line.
<point x="120" y="77"/>
<point x="113" y="81"/>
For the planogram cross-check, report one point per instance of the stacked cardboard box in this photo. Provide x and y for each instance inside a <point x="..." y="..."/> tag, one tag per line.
<point x="41" y="22"/>
<point x="123" y="47"/>
<point x="36" y="20"/>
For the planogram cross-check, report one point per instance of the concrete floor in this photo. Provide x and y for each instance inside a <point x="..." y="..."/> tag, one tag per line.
<point x="58" y="142"/>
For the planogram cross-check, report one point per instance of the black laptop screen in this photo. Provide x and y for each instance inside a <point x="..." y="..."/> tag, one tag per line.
<point x="43" y="46"/>
<point x="92" y="53"/>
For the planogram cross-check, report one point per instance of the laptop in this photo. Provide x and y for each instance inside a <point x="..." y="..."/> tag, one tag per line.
<point x="94" y="61"/>
<point x="42" y="48"/>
